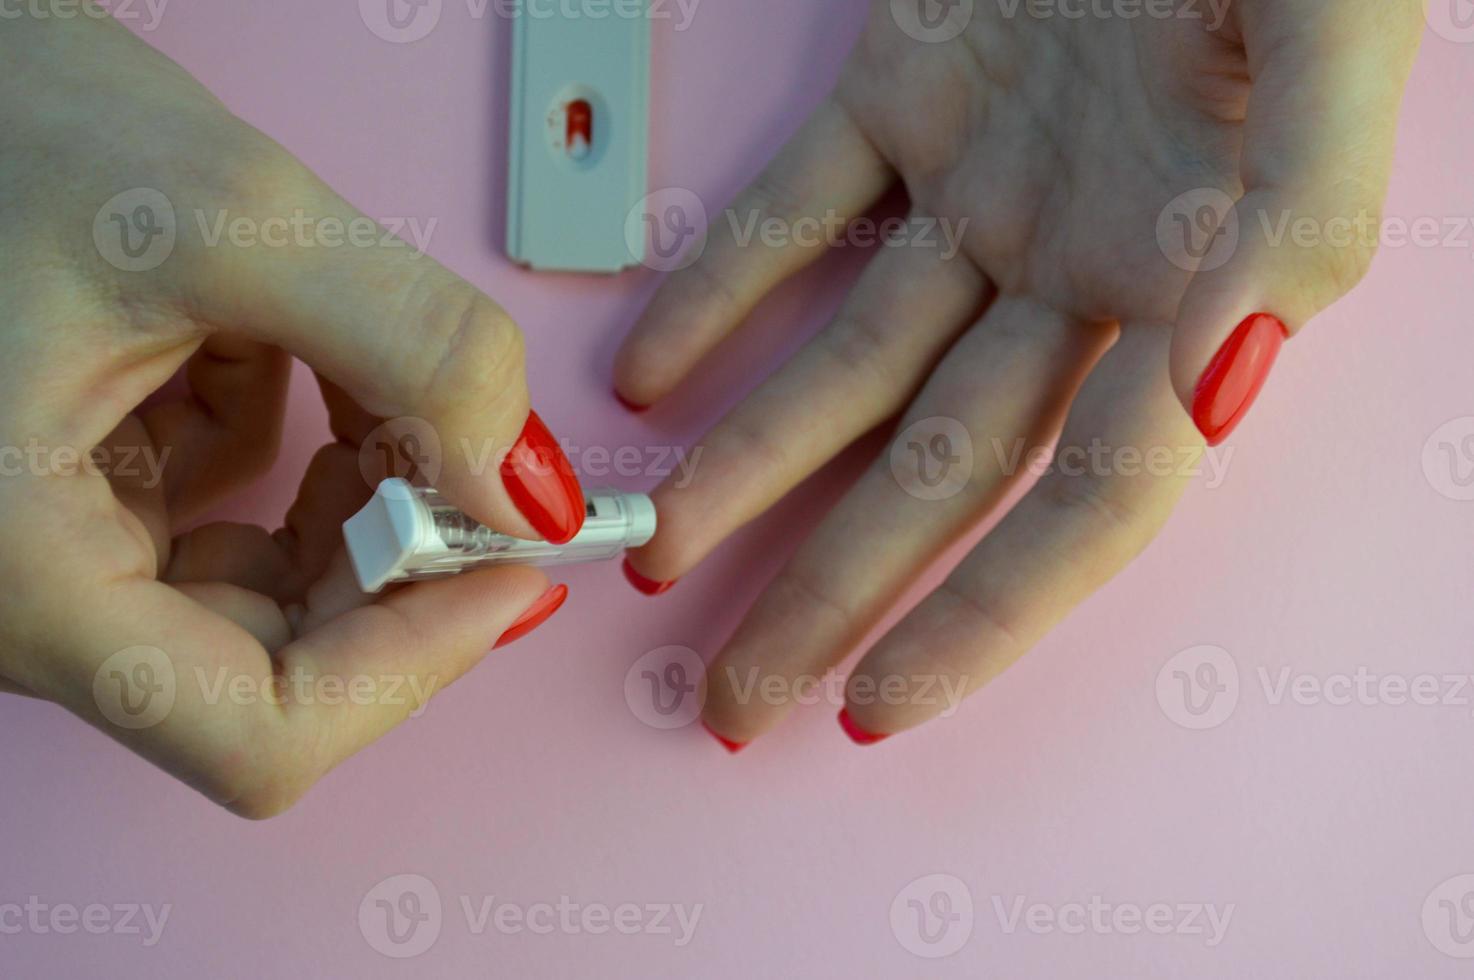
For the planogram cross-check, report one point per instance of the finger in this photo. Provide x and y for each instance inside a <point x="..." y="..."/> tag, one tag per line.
<point x="1318" y="140"/>
<point x="255" y="613"/>
<point x="1079" y="526"/>
<point x="335" y="592"/>
<point x="347" y="420"/>
<point x="446" y="628"/>
<point x="242" y="555"/>
<point x="135" y="475"/>
<point x="225" y="433"/>
<point x="284" y="564"/>
<point x="1009" y="377"/>
<point x="828" y="170"/>
<point x="172" y="461"/>
<point x="240" y="572"/>
<point x="9" y="687"/>
<point x="250" y="730"/>
<point x="332" y="491"/>
<point x="861" y="370"/>
<point x="406" y="338"/>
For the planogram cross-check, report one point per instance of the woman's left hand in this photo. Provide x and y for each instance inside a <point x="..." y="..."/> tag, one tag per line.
<point x="1092" y="167"/>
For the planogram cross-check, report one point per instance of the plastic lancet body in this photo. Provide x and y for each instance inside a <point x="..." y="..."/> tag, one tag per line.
<point x="408" y="533"/>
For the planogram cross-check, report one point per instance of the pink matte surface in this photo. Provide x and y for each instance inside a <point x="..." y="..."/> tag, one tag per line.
<point x="1325" y="550"/>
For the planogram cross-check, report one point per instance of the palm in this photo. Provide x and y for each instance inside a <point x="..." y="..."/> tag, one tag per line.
<point x="1061" y="140"/>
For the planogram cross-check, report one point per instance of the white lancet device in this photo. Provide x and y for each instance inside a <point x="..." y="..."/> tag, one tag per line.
<point x="408" y="533"/>
<point x="579" y="142"/>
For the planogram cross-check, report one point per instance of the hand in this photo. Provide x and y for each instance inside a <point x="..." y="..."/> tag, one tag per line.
<point x="246" y="663"/>
<point x="1061" y="143"/>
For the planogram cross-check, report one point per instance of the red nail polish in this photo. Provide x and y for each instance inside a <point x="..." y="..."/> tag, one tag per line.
<point x="727" y="743"/>
<point x="631" y="406"/>
<point x="1238" y="371"/>
<point x="649" y="586"/>
<point x="541" y="483"/>
<point x="857" y="734"/>
<point x="538" y="613"/>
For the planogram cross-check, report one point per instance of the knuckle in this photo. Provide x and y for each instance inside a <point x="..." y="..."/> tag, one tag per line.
<point x="740" y="437"/>
<point x="1348" y="216"/>
<point x="864" y="342"/>
<point x="265" y="803"/>
<point x="1110" y="500"/>
<point x="705" y="288"/>
<point x="469" y="343"/>
<point x="990" y="621"/>
<point x="251" y="171"/>
<point x="684" y="535"/>
<point x="773" y="195"/>
<point x="263" y="786"/>
<point x="809" y="588"/>
<point x="270" y="767"/>
<point x="241" y="171"/>
<point x="246" y="457"/>
<point x="1343" y="267"/>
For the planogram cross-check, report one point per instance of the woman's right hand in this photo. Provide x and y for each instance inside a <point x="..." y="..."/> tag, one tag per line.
<point x="147" y="230"/>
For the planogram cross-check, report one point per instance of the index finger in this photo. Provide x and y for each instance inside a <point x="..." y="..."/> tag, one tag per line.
<point x="270" y="252"/>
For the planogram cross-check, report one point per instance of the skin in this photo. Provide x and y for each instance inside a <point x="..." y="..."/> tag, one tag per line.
<point x="94" y="563"/>
<point x="1061" y="153"/>
<point x="1060" y="141"/>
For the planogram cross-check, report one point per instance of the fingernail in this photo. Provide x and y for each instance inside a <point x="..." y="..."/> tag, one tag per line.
<point x="857" y="734"/>
<point x="649" y="586"/>
<point x="538" y="613"/>
<point x="727" y="743"/>
<point x="541" y="483"/>
<point x="1238" y="371"/>
<point x="632" y="406"/>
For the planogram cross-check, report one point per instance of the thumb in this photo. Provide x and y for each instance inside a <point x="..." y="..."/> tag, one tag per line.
<point x="1327" y="79"/>
<point x="409" y="341"/>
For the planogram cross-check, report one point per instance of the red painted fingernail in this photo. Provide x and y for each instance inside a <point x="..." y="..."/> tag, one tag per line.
<point x="632" y="406"/>
<point x="1238" y="371"/>
<point x="538" y="613"/>
<point x="727" y="743"/>
<point x="857" y="734"/>
<point x="646" y="585"/>
<point x="540" y="481"/>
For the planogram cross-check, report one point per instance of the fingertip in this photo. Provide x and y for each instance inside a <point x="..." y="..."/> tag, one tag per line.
<point x="856" y="733"/>
<point x="536" y="614"/>
<point x="542" y="485"/>
<point x="639" y="372"/>
<point x="629" y="405"/>
<point x="730" y="745"/>
<point x="647" y="586"/>
<point x="1236" y="375"/>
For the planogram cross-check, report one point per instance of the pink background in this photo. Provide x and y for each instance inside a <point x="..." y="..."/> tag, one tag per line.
<point x="1326" y="550"/>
